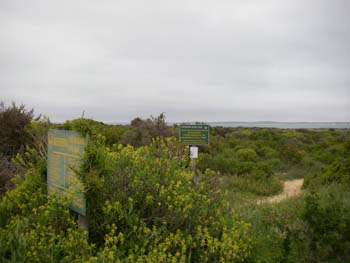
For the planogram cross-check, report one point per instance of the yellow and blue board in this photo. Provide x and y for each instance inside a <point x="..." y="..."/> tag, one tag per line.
<point x="65" y="150"/>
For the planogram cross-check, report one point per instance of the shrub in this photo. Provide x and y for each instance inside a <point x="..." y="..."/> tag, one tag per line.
<point x="46" y="233"/>
<point x="29" y="193"/>
<point x="15" y="137"/>
<point x="13" y="120"/>
<point x="246" y="155"/>
<point x="156" y="214"/>
<point x="7" y="171"/>
<point x="142" y="132"/>
<point x="327" y="215"/>
<point x="337" y="172"/>
<point x="312" y="228"/>
<point x="35" y="228"/>
<point x="111" y="133"/>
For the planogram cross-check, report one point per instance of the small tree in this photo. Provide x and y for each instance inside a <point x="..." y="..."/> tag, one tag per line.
<point x="13" y="137"/>
<point x="13" y="120"/>
<point x="142" y="131"/>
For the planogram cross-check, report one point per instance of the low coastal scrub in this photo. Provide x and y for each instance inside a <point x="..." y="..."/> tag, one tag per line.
<point x="144" y="206"/>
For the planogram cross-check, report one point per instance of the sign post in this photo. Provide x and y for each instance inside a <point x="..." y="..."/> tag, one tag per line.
<point x="194" y="135"/>
<point x="65" y="149"/>
<point x="194" y="156"/>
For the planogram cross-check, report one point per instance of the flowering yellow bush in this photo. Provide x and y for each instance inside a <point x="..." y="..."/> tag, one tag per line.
<point x="144" y="206"/>
<point x="141" y="206"/>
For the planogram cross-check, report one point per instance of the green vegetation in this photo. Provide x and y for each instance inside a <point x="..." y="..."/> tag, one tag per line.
<point x="312" y="228"/>
<point x="141" y="132"/>
<point x="142" y="204"/>
<point x="13" y="120"/>
<point x="13" y="138"/>
<point x="262" y="156"/>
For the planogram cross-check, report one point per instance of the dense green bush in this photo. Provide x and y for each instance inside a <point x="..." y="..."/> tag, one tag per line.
<point x="13" y="139"/>
<point x="142" y="207"/>
<point x="157" y="214"/>
<point x="35" y="228"/>
<point x="7" y="171"/>
<point x="327" y="215"/>
<point x="248" y="172"/>
<point x="337" y="172"/>
<point x="13" y="120"/>
<point x="311" y="228"/>
<point x="288" y="153"/>
<point x="141" y="132"/>
<point x="246" y="155"/>
<point x="92" y="128"/>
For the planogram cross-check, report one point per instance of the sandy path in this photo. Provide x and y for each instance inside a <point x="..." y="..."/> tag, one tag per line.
<point x="290" y="188"/>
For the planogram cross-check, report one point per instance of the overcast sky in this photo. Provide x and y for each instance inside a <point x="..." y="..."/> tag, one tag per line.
<point x="278" y="60"/>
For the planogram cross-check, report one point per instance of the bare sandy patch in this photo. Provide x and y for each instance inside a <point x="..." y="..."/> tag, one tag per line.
<point x="290" y="188"/>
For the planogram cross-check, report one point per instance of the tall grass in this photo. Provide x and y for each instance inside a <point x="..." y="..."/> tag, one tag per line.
<point x="247" y="184"/>
<point x="313" y="227"/>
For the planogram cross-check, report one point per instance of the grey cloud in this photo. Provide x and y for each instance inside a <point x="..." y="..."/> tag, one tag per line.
<point x="195" y="60"/>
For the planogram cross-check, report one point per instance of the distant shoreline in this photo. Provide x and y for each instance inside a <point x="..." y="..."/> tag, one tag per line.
<point x="269" y="124"/>
<point x="284" y="125"/>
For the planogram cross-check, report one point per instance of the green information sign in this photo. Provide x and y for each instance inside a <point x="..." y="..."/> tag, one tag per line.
<point x="194" y="134"/>
<point x="65" y="149"/>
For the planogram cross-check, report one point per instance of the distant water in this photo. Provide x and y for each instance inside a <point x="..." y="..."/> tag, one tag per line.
<point x="284" y="125"/>
<point x="270" y="124"/>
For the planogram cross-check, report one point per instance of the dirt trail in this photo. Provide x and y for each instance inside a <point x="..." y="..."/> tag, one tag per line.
<point x="290" y="188"/>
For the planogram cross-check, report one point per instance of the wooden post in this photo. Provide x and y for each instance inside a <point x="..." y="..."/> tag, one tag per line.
<point x="83" y="222"/>
<point x="194" y="167"/>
